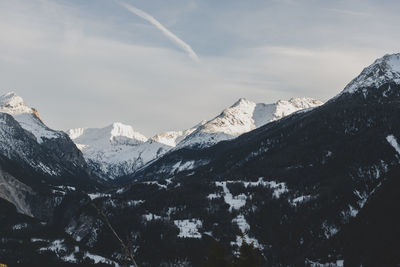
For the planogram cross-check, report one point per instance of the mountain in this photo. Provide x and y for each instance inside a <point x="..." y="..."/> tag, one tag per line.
<point x="34" y="158"/>
<point x="383" y="70"/>
<point x="117" y="150"/>
<point x="316" y="188"/>
<point x="27" y="117"/>
<point x="173" y="138"/>
<point x="242" y="117"/>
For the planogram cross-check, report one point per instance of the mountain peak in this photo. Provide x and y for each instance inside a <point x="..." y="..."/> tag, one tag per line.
<point x="383" y="70"/>
<point x="112" y="132"/>
<point x="120" y="129"/>
<point x="13" y="104"/>
<point x="242" y="101"/>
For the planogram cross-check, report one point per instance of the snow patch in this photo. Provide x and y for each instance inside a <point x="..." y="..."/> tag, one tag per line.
<point x="56" y="246"/>
<point x="234" y="202"/>
<point x="189" y="228"/>
<point x="329" y="230"/>
<point x="298" y="200"/>
<point x="338" y="263"/>
<point x="279" y="188"/>
<point x="69" y="258"/>
<point x="99" y="259"/>
<point x="151" y="217"/>
<point x="393" y="142"/>
<point x="98" y="195"/>
<point x="20" y="226"/>
<point x="244" y="227"/>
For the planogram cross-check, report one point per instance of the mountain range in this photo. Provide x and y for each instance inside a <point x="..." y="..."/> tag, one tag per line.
<point x="295" y="183"/>
<point x="118" y="150"/>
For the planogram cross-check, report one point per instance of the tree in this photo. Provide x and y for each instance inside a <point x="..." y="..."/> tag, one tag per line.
<point x="217" y="256"/>
<point x="249" y="255"/>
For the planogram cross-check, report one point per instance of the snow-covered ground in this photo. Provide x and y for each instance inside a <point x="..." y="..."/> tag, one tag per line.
<point x="244" y="227"/>
<point x="234" y="202"/>
<point x="189" y="228"/>
<point x="99" y="259"/>
<point x="393" y="142"/>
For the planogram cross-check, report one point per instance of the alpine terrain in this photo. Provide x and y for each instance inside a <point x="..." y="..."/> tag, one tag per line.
<point x="295" y="183"/>
<point x="117" y="150"/>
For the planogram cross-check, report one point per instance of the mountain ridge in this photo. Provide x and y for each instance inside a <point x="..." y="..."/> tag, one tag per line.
<point x="117" y="150"/>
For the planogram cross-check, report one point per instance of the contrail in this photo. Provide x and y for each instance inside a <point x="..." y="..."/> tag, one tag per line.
<point x="164" y="30"/>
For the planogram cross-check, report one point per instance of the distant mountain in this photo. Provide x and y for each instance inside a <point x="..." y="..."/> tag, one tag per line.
<point x="173" y="138"/>
<point x="27" y="117"/>
<point x="34" y="158"/>
<point x="26" y="139"/>
<point x="117" y="150"/>
<point x="242" y="117"/>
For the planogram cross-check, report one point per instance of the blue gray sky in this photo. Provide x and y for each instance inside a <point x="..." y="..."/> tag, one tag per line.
<point x="167" y="64"/>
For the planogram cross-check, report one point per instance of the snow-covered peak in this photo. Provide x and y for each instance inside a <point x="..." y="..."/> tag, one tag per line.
<point x="233" y="120"/>
<point x="117" y="149"/>
<point x="13" y="104"/>
<point x="284" y="107"/>
<point x="75" y="133"/>
<point x="383" y="70"/>
<point x="244" y="116"/>
<point x="119" y="129"/>
<point x="26" y="116"/>
<point x="114" y="133"/>
<point x="173" y="138"/>
<point x="242" y="102"/>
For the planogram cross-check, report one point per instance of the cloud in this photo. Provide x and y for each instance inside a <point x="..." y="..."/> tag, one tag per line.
<point x="165" y="31"/>
<point x="84" y="68"/>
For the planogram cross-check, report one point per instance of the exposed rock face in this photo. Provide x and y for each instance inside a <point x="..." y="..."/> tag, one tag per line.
<point x="15" y="192"/>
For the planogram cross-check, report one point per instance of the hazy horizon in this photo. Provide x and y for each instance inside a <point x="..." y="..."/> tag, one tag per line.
<point x="166" y="65"/>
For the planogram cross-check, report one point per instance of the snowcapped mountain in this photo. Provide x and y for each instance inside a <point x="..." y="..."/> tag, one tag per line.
<point x="383" y="70"/>
<point x="33" y="158"/>
<point x="27" y="117"/>
<point x="27" y="140"/>
<point x="242" y="117"/>
<point x="116" y="150"/>
<point x="173" y="138"/>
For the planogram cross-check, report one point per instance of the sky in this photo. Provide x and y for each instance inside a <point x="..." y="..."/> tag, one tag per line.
<point x="168" y="64"/>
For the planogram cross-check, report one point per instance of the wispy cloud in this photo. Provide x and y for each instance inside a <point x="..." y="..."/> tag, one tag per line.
<point x="348" y="12"/>
<point x="165" y="31"/>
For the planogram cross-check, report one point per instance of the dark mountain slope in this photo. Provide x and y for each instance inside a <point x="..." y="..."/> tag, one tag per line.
<point x="372" y="238"/>
<point x="290" y="187"/>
